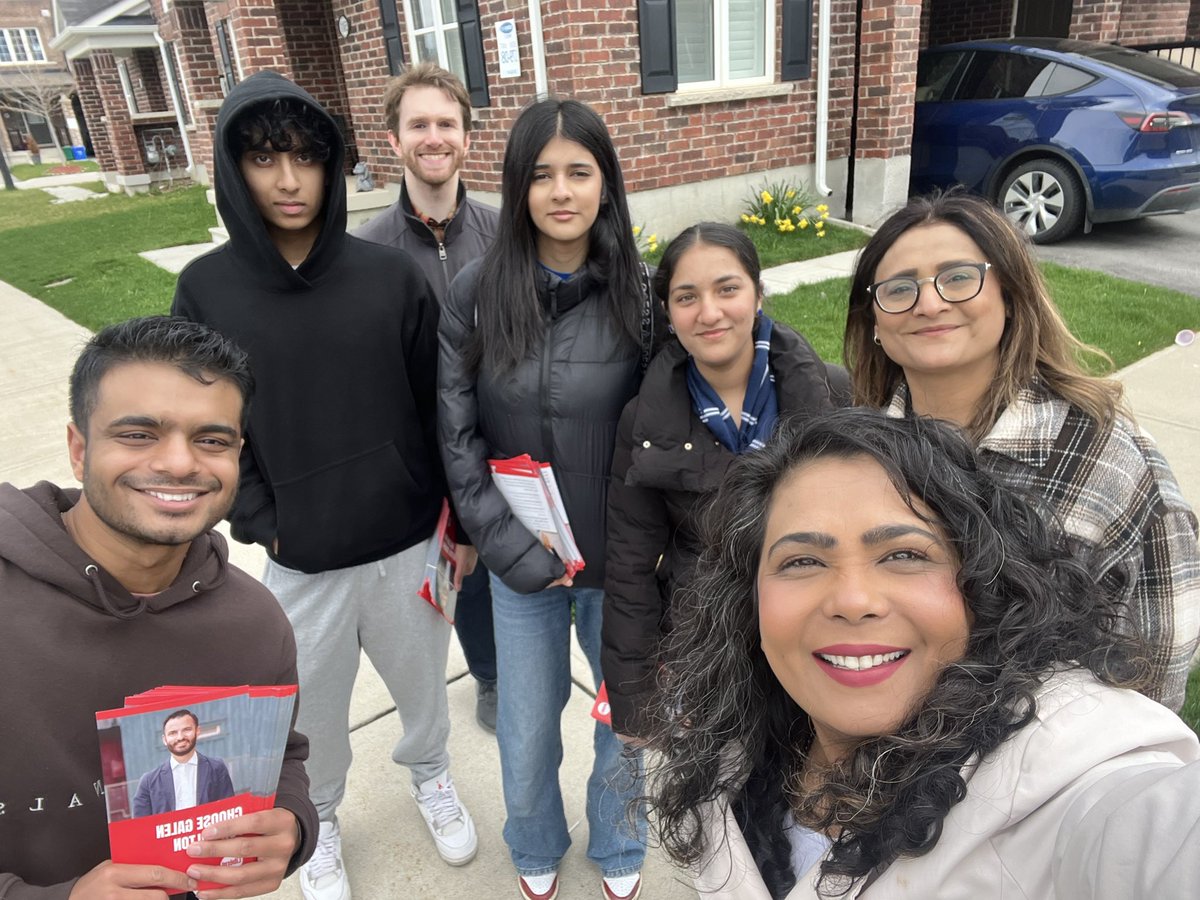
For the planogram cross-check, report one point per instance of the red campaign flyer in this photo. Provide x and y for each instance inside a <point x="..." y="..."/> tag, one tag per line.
<point x="178" y="759"/>
<point x="601" y="711"/>
<point x="437" y="587"/>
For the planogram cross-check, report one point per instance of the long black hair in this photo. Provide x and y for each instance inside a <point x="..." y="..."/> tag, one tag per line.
<point x="509" y="319"/>
<point x="734" y="732"/>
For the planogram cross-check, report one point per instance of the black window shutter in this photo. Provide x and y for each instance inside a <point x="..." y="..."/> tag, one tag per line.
<point x="470" y="32"/>
<point x="796" y="57"/>
<point x="656" y="40"/>
<point x="391" y="36"/>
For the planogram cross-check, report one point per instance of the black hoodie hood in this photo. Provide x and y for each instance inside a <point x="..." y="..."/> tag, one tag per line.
<point x="249" y="242"/>
<point x="34" y="539"/>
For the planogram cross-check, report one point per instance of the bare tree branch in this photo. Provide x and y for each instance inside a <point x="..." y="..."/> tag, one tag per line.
<point x="33" y="90"/>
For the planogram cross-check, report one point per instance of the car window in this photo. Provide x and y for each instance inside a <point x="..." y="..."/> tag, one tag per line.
<point x="934" y="73"/>
<point x="1163" y="71"/>
<point x="998" y="76"/>
<point x="1060" y="79"/>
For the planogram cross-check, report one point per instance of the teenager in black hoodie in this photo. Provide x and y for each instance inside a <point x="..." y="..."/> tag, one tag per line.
<point x="341" y="479"/>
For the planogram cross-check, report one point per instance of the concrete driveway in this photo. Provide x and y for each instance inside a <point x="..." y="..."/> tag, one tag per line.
<point x="1160" y="250"/>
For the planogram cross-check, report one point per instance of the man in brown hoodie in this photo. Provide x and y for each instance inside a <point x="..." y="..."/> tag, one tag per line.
<point x="100" y="589"/>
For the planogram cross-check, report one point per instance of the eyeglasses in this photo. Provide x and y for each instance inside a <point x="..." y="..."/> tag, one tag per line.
<point x="955" y="284"/>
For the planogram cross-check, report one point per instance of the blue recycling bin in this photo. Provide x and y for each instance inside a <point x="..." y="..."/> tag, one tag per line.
<point x="79" y="153"/>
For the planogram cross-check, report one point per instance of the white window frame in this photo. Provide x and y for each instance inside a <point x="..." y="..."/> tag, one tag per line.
<point x="720" y="50"/>
<point x="40" y="55"/>
<point x="442" y="32"/>
<point x="16" y="41"/>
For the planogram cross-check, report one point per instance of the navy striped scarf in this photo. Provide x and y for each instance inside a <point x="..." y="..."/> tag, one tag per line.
<point x="760" y="408"/>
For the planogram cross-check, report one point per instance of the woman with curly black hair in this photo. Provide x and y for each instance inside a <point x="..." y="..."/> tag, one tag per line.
<point x="891" y="681"/>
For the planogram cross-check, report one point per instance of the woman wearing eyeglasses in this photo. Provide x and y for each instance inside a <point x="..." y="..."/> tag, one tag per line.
<point x="949" y="317"/>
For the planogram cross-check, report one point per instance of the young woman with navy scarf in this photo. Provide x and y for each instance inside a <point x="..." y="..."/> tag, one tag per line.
<point x="714" y="392"/>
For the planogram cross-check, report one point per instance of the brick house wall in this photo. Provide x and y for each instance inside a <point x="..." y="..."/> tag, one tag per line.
<point x="1153" y="21"/>
<point x="125" y="156"/>
<point x="665" y="141"/>
<point x="947" y="21"/>
<point x="188" y="32"/>
<point x="93" y="111"/>
<point x="148" y="81"/>
<point x="1096" y="20"/>
<point x="592" y="54"/>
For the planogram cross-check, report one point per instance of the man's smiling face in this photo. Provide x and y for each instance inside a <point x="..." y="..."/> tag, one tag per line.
<point x="179" y="736"/>
<point x="159" y="464"/>
<point x="430" y="137"/>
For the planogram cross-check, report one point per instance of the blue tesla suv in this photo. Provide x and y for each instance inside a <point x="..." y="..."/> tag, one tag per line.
<point x="1060" y="133"/>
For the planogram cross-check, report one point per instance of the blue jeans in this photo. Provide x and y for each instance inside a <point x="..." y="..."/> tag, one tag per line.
<point x="533" y="656"/>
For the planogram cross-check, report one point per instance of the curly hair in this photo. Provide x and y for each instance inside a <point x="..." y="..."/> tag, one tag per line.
<point x="1036" y="340"/>
<point x="733" y="732"/>
<point x="283" y="125"/>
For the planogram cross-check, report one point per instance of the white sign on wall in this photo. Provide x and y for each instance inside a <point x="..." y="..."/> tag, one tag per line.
<point x="510" y="56"/>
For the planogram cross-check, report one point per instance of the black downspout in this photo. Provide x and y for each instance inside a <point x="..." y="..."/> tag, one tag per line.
<point x="7" y="175"/>
<point x="854" y="111"/>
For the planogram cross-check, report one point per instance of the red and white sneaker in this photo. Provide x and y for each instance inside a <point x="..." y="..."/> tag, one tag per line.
<point x="538" y="887"/>
<point x="623" y="887"/>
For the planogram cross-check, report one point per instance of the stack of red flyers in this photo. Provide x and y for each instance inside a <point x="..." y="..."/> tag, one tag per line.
<point x="437" y="587"/>
<point x="178" y="759"/>
<point x="532" y="493"/>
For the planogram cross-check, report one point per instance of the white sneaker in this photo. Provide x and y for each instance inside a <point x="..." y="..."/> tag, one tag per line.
<point x="323" y="877"/>
<point x="448" y="821"/>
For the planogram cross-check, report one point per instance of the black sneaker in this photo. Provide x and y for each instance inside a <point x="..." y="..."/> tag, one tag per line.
<point x="485" y="705"/>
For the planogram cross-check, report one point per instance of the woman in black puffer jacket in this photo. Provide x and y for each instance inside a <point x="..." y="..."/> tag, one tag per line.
<point x="737" y="366"/>
<point x="541" y="345"/>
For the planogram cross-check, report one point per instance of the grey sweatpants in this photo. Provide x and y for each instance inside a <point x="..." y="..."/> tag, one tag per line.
<point x="373" y="606"/>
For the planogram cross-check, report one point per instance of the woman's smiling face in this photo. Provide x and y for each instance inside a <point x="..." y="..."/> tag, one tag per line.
<point x="935" y="337"/>
<point x="859" y="609"/>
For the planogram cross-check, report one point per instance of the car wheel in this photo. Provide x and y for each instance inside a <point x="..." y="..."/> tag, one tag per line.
<point x="1044" y="199"/>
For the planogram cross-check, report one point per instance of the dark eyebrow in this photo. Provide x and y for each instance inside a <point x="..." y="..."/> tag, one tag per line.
<point x="577" y="164"/>
<point x="884" y="533"/>
<point x="688" y="286"/>
<point x="135" y="421"/>
<point x="812" y="538"/>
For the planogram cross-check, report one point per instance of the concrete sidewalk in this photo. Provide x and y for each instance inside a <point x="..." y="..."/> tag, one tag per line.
<point x="45" y="181"/>
<point x="388" y="853"/>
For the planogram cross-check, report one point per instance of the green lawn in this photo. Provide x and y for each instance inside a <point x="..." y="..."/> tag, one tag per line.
<point x="1191" y="701"/>
<point x="1125" y="319"/>
<point x="776" y="248"/>
<point x="25" y="171"/>
<point x="81" y="258"/>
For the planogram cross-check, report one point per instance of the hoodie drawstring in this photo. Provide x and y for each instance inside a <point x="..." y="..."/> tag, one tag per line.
<point x="92" y="571"/>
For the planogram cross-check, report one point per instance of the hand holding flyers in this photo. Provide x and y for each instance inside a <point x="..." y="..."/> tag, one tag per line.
<point x="205" y="805"/>
<point x="532" y="493"/>
<point x="269" y="838"/>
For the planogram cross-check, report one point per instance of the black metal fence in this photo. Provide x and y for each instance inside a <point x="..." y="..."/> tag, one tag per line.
<point x="1186" y="53"/>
